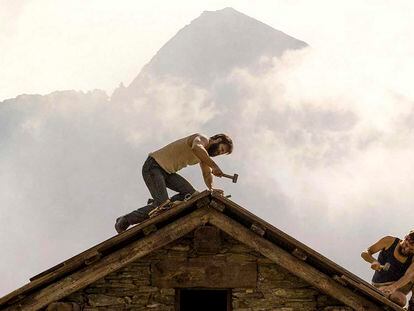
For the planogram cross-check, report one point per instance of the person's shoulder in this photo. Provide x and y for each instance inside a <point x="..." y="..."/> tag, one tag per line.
<point x="202" y="138"/>
<point x="388" y="240"/>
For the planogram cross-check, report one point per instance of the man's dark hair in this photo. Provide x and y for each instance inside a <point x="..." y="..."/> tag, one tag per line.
<point x="224" y="139"/>
<point x="410" y="236"/>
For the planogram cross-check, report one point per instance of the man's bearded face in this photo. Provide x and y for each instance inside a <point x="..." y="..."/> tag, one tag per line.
<point x="407" y="247"/>
<point x="216" y="149"/>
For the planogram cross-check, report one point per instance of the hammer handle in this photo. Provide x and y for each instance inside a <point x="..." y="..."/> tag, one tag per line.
<point x="228" y="176"/>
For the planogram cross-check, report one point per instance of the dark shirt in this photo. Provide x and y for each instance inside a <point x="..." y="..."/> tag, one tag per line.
<point x="397" y="268"/>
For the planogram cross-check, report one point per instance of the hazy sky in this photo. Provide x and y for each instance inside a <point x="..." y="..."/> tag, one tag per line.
<point x="325" y="151"/>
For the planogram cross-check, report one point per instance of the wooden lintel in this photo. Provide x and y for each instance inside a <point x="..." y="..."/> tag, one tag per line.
<point x="257" y="229"/>
<point x="298" y="253"/>
<point x="217" y="205"/>
<point x="149" y="229"/>
<point x="295" y="266"/>
<point x="111" y="262"/>
<point x="205" y="272"/>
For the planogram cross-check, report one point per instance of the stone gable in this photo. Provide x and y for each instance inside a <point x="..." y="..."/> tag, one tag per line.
<point x="205" y="258"/>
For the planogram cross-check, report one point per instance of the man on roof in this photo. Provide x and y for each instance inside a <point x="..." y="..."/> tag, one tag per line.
<point x="394" y="268"/>
<point x="160" y="172"/>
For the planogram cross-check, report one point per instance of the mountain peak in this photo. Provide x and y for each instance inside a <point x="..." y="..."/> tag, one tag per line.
<point x="227" y="10"/>
<point x="214" y="43"/>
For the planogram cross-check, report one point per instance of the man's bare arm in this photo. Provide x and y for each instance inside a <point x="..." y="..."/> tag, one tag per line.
<point x="199" y="148"/>
<point x="207" y="176"/>
<point x="405" y="279"/>
<point x="375" y="248"/>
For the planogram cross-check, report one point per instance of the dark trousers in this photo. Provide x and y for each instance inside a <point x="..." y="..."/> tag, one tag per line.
<point x="157" y="181"/>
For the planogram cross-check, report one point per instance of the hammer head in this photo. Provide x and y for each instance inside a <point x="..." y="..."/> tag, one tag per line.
<point x="235" y="178"/>
<point x="386" y="267"/>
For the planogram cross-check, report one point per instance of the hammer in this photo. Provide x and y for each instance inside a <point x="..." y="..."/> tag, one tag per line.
<point x="232" y="177"/>
<point x="385" y="267"/>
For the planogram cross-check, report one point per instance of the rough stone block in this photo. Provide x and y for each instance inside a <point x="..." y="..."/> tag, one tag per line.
<point x="100" y="300"/>
<point x="141" y="299"/>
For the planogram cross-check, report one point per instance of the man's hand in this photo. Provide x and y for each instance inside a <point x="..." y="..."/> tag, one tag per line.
<point x="376" y="266"/>
<point x="219" y="191"/>
<point x="216" y="171"/>
<point x="388" y="290"/>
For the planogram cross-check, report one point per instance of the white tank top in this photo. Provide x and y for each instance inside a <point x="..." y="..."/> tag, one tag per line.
<point x="175" y="155"/>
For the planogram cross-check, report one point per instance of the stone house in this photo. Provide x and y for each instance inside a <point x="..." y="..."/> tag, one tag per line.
<point x="206" y="254"/>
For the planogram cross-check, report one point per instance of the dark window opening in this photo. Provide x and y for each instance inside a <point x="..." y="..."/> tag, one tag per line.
<point x="203" y="300"/>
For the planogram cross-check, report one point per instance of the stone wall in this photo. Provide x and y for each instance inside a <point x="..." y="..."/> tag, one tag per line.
<point x="134" y="286"/>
